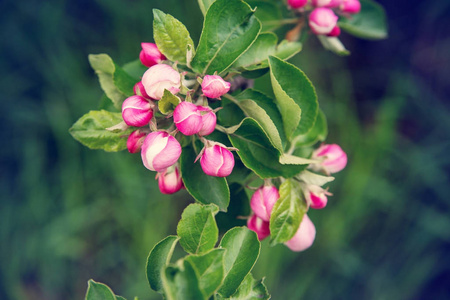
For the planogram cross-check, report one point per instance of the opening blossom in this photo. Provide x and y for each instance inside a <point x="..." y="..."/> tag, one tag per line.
<point x="187" y="118"/>
<point x="159" y="151"/>
<point x="169" y="181"/>
<point x="161" y="77"/>
<point x="334" y="159"/>
<point x="209" y="120"/>
<point x="263" y="200"/>
<point x="259" y="226"/>
<point x="322" y="20"/>
<point x="217" y="160"/>
<point x="294" y="4"/>
<point x="135" y="141"/>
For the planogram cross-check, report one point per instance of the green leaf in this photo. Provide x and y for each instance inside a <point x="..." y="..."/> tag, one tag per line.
<point x="135" y="68"/>
<point x="257" y="152"/>
<point x="195" y="181"/>
<point x="171" y="36"/>
<point x="99" y="291"/>
<point x="197" y="228"/>
<point x="370" y="23"/>
<point x="295" y="96"/>
<point x="287" y="212"/>
<point x="311" y="178"/>
<point x="181" y="282"/>
<point x="158" y="258"/>
<point x="229" y="29"/>
<point x="168" y="102"/>
<point x="250" y="289"/>
<point x="243" y="248"/>
<point x="204" y="5"/>
<point x="120" y="298"/>
<point x="268" y="13"/>
<point x="333" y="44"/>
<point x="256" y="57"/>
<point x="115" y="82"/>
<point x="318" y="133"/>
<point x="209" y="268"/>
<point x="90" y="130"/>
<point x="263" y="109"/>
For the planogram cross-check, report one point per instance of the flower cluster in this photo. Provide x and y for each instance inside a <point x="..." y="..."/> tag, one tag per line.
<point x="160" y="148"/>
<point x="323" y="14"/>
<point x="330" y="159"/>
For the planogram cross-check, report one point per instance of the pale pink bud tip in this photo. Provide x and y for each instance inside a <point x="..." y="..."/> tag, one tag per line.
<point x="213" y="86"/>
<point x="159" y="151"/>
<point x="350" y="6"/>
<point x="322" y="20"/>
<point x="317" y="197"/>
<point x="259" y="226"/>
<point x="159" y="78"/>
<point x="150" y="54"/>
<point x="209" y="120"/>
<point x="297" y="3"/>
<point x="263" y="200"/>
<point x="326" y="3"/>
<point x="135" y="141"/>
<point x="217" y="161"/>
<point x="139" y="90"/>
<point x="169" y="181"/>
<point x="136" y="111"/>
<point x="187" y="118"/>
<point x="304" y="237"/>
<point x="334" y="158"/>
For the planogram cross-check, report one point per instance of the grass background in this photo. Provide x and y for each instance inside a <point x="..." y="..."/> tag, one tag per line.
<point x="68" y="214"/>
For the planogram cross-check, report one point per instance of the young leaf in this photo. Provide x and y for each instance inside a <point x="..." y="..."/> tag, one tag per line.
<point x="313" y="178"/>
<point x="171" y="36"/>
<point x="257" y="152"/>
<point x="168" y="102"/>
<point x="318" y="133"/>
<point x="197" y="228"/>
<point x="229" y="29"/>
<point x="204" y="5"/>
<point x="209" y="268"/>
<point x="158" y="259"/>
<point x="90" y="130"/>
<point x="99" y="291"/>
<point x="115" y="82"/>
<point x="250" y="289"/>
<point x="333" y="44"/>
<point x="195" y="181"/>
<point x="293" y="91"/>
<point x="268" y="13"/>
<point x="256" y="57"/>
<point x="370" y="23"/>
<point x="287" y="213"/>
<point x="181" y="282"/>
<point x="243" y="248"/>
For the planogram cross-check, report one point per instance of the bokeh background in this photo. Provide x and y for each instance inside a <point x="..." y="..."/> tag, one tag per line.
<point x="68" y="214"/>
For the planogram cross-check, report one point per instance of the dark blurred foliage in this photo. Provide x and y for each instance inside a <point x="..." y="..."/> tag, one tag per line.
<point x="68" y="213"/>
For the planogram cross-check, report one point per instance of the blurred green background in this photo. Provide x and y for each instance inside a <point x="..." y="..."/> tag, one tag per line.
<point x="68" y="214"/>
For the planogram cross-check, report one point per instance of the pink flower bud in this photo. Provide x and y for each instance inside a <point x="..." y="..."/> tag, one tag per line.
<point x="209" y="120"/>
<point x="217" y="160"/>
<point x="213" y="86"/>
<point x="294" y="4"/>
<point x="169" y="181"/>
<point x="335" y="32"/>
<point x="139" y="90"/>
<point x="304" y="237"/>
<point x="259" y="226"/>
<point x="334" y="158"/>
<point x="136" y="111"/>
<point x="135" y="141"/>
<point x="159" y="78"/>
<point x="150" y="54"/>
<point x="350" y="6"/>
<point x="159" y="151"/>
<point x="326" y="3"/>
<point x="263" y="200"/>
<point x="322" y="20"/>
<point x="316" y="197"/>
<point x="187" y="118"/>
